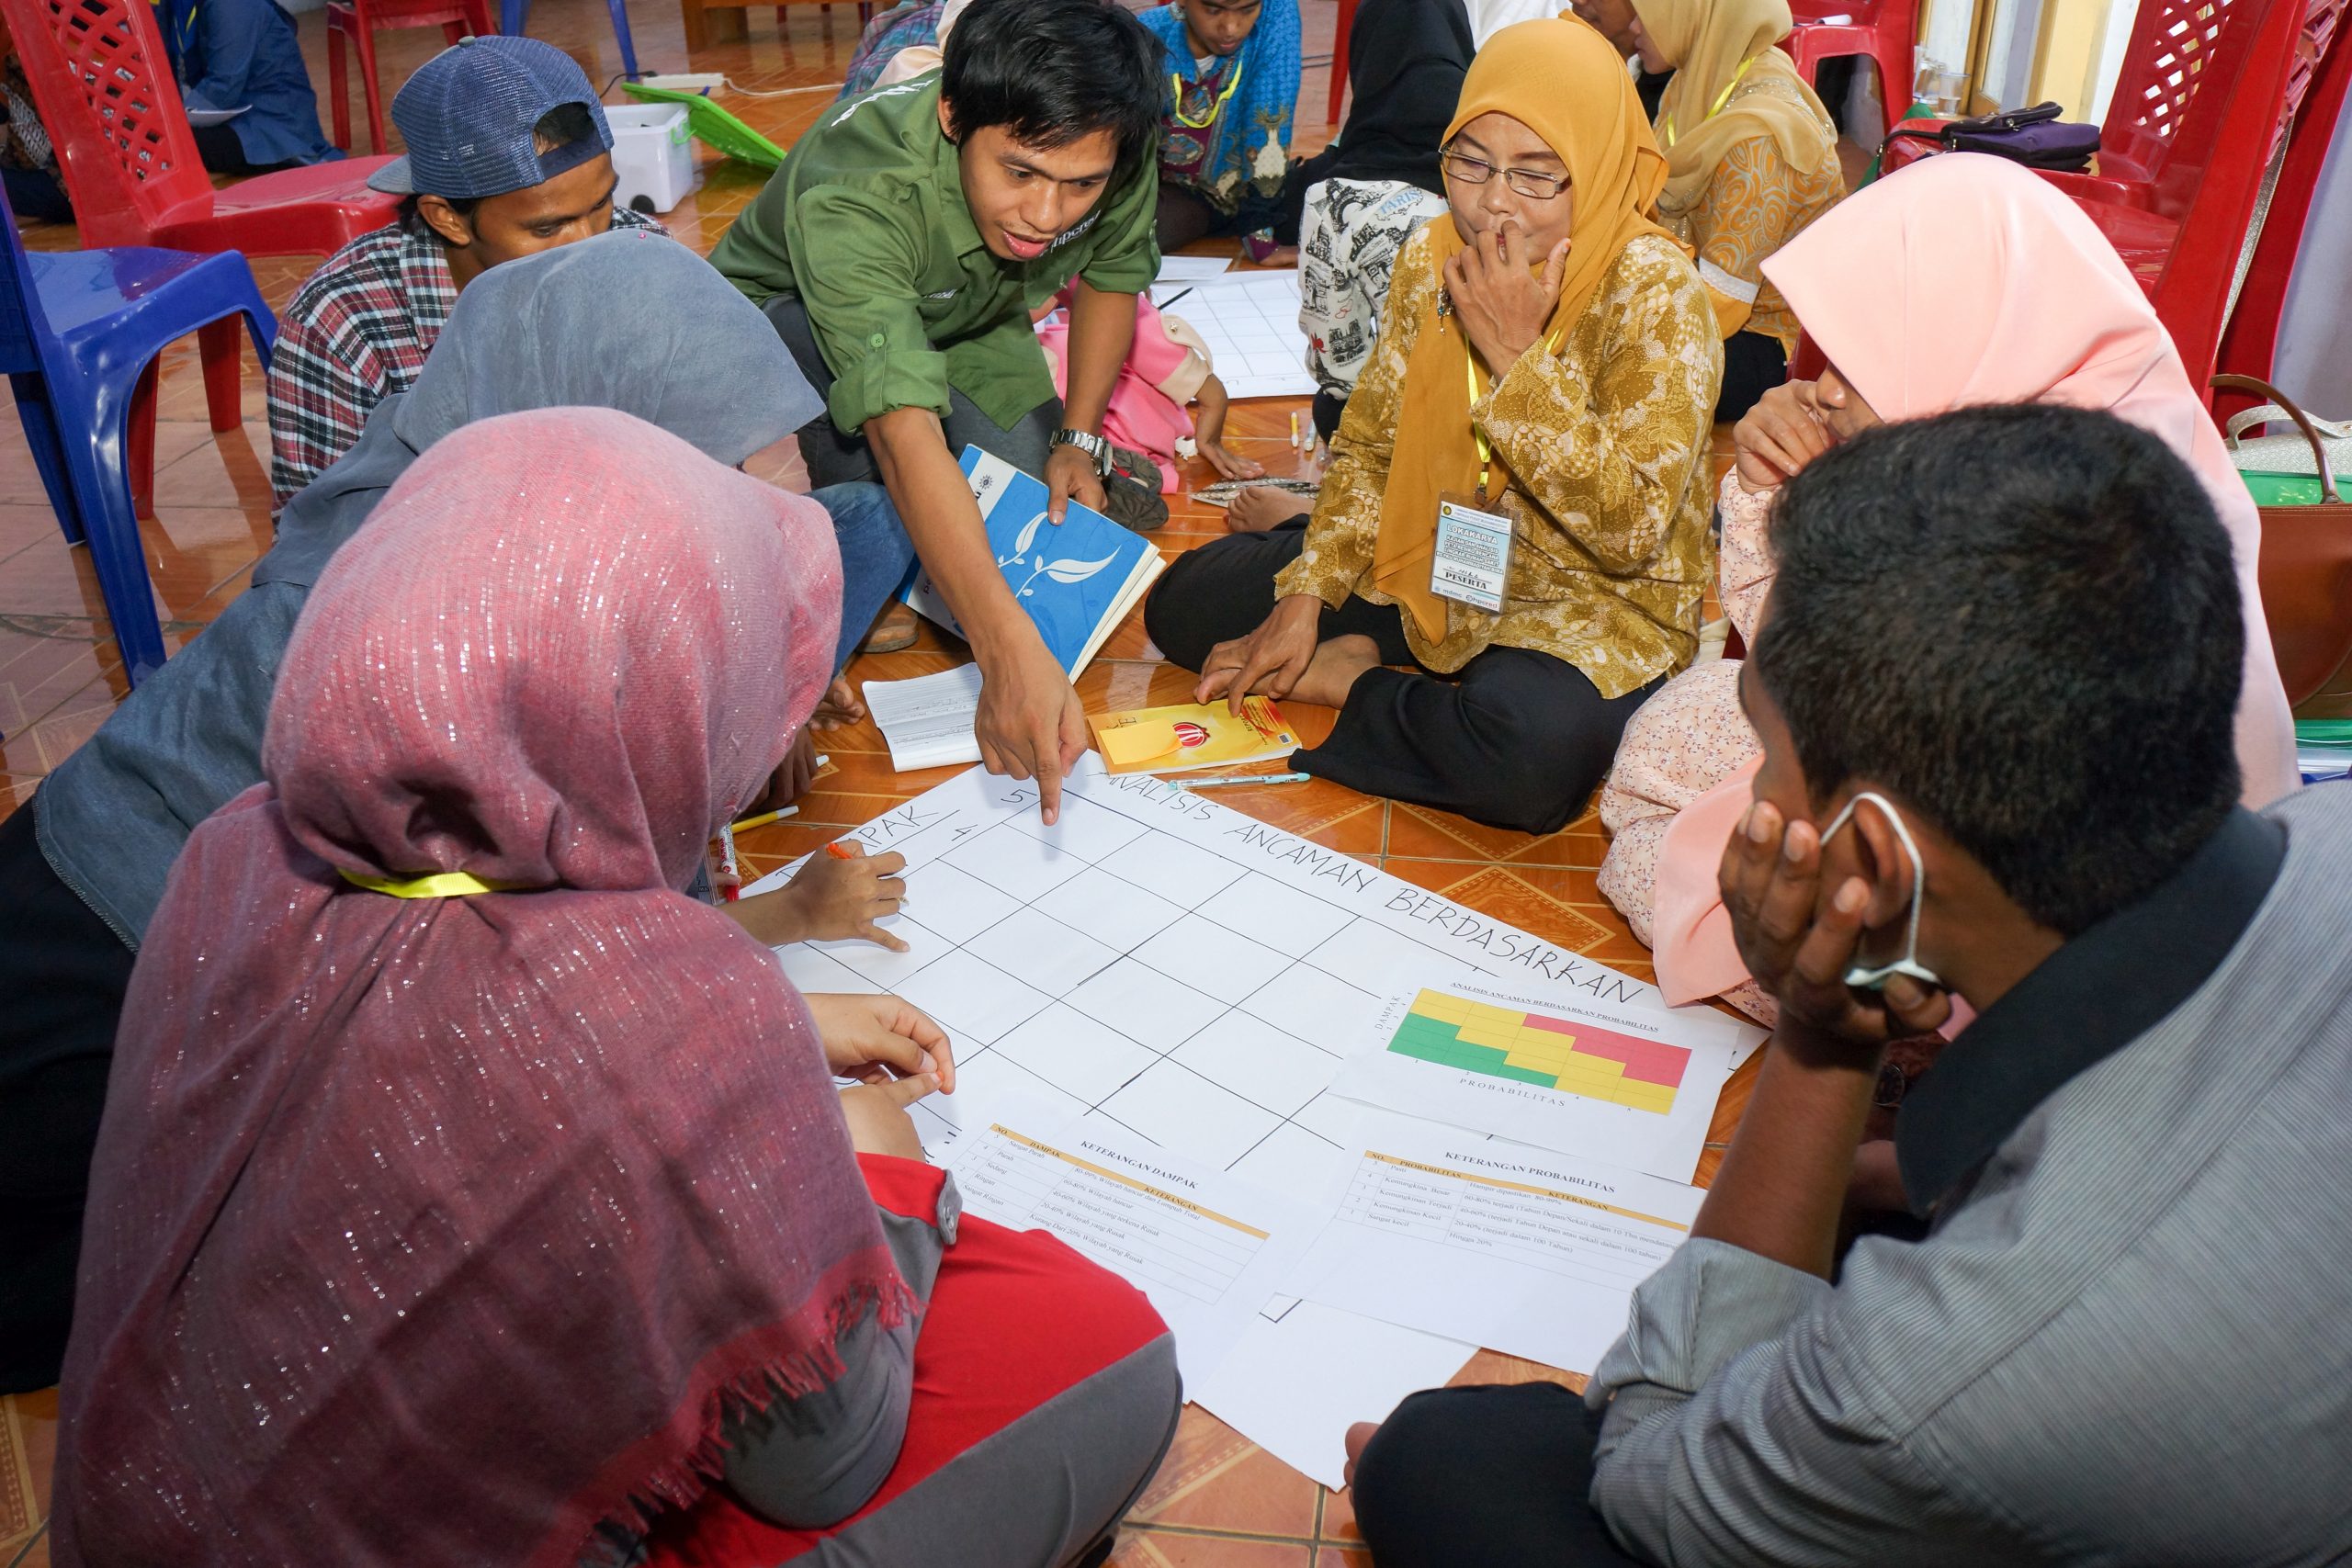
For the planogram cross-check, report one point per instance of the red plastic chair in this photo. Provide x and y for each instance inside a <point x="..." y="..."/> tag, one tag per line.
<point x="2167" y="64"/>
<point x="1340" y="31"/>
<point x="360" y="21"/>
<point x="106" y="93"/>
<point x="2249" y="345"/>
<point x="2205" y="96"/>
<point x="1885" y="31"/>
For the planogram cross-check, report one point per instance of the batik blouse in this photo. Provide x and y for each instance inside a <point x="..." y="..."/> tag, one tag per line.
<point x="1605" y="444"/>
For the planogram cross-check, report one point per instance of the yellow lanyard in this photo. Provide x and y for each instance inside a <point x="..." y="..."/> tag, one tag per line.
<point x="1666" y="128"/>
<point x="1176" y="83"/>
<point x="443" y="884"/>
<point x="1485" y="451"/>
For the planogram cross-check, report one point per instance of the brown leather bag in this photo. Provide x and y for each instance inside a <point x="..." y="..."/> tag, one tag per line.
<point x="2306" y="577"/>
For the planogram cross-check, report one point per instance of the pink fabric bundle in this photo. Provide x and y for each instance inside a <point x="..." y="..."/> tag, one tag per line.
<point x="1965" y="280"/>
<point x="439" y="1230"/>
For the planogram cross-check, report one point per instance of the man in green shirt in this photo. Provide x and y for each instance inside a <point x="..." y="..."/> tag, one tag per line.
<point x="898" y="251"/>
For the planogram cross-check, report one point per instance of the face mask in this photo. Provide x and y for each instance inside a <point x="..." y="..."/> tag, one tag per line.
<point x="1861" y="976"/>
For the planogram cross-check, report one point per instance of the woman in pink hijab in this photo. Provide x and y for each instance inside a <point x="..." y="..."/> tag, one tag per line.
<point x="468" y="1193"/>
<point x="1964" y="280"/>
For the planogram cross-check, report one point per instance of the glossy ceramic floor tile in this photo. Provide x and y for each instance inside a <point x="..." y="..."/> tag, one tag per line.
<point x="1220" y="1502"/>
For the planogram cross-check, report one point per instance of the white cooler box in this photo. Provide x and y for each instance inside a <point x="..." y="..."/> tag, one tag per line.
<point x="653" y="156"/>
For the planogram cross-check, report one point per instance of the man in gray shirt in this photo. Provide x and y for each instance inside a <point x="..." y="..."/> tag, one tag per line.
<point x="1999" y="669"/>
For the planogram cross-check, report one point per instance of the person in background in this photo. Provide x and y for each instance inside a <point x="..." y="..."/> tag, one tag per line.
<point x="1549" y="362"/>
<point x="467" y="1194"/>
<point x="1965" y="280"/>
<point x="241" y="58"/>
<point x="1233" y="71"/>
<point x="508" y="154"/>
<point x="1167" y="368"/>
<point x="2120" y="1339"/>
<point x="82" y="864"/>
<point x="1752" y="158"/>
<point x="898" y="252"/>
<point x="1350" y="208"/>
<point x="1615" y="19"/>
<point x="904" y="42"/>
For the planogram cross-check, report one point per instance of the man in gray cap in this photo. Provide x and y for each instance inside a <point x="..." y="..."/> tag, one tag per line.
<point x="508" y="154"/>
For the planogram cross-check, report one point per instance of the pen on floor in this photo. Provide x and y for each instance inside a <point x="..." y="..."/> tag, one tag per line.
<point x="731" y="876"/>
<point x="1241" y="779"/>
<point x="765" y="817"/>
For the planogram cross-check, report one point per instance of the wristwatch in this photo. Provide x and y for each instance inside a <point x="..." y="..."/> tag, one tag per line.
<point x="1094" y="446"/>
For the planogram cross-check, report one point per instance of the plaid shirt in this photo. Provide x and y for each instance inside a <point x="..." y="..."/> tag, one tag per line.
<point x="357" y="332"/>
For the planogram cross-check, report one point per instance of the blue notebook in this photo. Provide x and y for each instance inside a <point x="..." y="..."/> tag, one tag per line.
<point x="1077" y="578"/>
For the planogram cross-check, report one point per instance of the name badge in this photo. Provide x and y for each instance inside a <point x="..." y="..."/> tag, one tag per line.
<point x="1472" y="560"/>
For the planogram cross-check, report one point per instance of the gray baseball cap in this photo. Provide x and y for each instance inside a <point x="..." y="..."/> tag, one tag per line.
<point x="468" y="114"/>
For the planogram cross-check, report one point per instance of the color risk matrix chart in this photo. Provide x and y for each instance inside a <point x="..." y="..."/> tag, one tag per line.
<point x="1530" y="1047"/>
<point x="1617" y="1079"/>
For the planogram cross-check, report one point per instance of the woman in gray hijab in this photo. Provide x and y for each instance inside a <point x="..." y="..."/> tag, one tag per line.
<point x="627" y="321"/>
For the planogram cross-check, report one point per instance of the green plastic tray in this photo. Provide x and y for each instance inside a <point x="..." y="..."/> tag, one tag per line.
<point x="2289" y="489"/>
<point x="716" y="124"/>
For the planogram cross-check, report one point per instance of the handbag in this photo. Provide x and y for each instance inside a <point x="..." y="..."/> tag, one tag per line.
<point x="2277" y="457"/>
<point x="2305" y="573"/>
<point x="2035" y="137"/>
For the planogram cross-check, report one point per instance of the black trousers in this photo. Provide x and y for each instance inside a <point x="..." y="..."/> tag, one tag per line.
<point x="1515" y="738"/>
<point x="63" y="976"/>
<point x="1494" y="1476"/>
<point x="834" y="459"/>
<point x="219" y="150"/>
<point x="1754" y="363"/>
<point x="1184" y="215"/>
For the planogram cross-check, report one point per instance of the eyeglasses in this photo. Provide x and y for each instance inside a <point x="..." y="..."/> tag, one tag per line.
<point x="1477" y="172"/>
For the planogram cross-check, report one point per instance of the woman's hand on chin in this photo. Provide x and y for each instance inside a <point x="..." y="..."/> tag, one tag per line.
<point x="1502" y="304"/>
<point x="1774" y="440"/>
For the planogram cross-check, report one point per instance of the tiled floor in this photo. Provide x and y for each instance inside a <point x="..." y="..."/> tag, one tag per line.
<point x="1220" y="1502"/>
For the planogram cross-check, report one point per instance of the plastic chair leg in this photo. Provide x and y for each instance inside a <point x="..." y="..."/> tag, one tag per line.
<point x="216" y="343"/>
<point x="138" y="443"/>
<point x="621" y="36"/>
<point x="114" y="547"/>
<point x="514" y="16"/>
<point x="40" y="434"/>
<point x="1899" y="83"/>
<point x="338" y="86"/>
<point x="364" y="41"/>
<point x="1341" y="27"/>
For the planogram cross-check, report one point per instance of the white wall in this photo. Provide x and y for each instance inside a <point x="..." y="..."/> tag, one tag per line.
<point x="2313" y="363"/>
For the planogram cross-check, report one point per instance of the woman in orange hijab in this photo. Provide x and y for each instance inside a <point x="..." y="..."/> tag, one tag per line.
<point x="1546" y="373"/>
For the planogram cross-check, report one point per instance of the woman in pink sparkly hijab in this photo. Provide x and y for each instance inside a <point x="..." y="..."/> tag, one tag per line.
<point x="468" y="1193"/>
<point x="1964" y="280"/>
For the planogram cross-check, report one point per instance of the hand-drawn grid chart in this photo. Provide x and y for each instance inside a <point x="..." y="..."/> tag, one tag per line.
<point x="1250" y="322"/>
<point x="1185" y="971"/>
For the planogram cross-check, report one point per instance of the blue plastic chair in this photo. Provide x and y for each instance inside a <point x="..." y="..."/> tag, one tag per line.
<point x="513" y="14"/>
<point x="78" y="330"/>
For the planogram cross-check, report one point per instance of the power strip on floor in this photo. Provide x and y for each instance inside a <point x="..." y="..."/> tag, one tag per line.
<point x="685" y="81"/>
